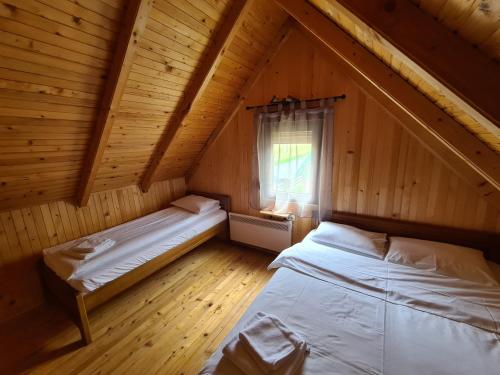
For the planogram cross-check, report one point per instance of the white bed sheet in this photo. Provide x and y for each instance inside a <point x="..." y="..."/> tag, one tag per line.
<point x="137" y="242"/>
<point x="367" y="316"/>
<point x="495" y="268"/>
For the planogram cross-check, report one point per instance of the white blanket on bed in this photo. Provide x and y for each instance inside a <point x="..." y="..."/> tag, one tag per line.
<point x="136" y="242"/>
<point x="365" y="316"/>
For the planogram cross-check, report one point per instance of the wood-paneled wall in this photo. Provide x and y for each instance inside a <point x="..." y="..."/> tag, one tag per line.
<point x="25" y="232"/>
<point x="379" y="169"/>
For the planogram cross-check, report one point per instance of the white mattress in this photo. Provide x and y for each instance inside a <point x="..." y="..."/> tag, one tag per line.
<point x="367" y="316"/>
<point x="137" y="242"/>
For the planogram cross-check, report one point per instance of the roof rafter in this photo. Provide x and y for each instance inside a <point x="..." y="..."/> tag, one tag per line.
<point x="281" y="38"/>
<point x="197" y="86"/>
<point x="137" y="13"/>
<point x="459" y="149"/>
<point x="432" y="51"/>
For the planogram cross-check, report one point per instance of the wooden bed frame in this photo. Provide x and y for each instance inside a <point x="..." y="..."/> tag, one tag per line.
<point x="488" y="242"/>
<point x="79" y="304"/>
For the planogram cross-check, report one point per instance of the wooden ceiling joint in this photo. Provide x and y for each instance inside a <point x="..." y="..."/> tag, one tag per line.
<point x="432" y="51"/>
<point x="472" y="160"/>
<point x="282" y="36"/>
<point x="136" y="15"/>
<point x="194" y="91"/>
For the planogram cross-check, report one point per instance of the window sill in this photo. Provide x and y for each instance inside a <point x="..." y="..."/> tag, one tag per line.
<point x="277" y="216"/>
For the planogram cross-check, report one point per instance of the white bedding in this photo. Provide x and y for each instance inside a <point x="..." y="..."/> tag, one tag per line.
<point x="137" y="242"/>
<point x="366" y="316"/>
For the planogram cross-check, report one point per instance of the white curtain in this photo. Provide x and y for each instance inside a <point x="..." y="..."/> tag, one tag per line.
<point x="293" y="161"/>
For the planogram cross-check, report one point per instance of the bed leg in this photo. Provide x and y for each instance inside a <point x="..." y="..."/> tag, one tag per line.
<point x="84" y="320"/>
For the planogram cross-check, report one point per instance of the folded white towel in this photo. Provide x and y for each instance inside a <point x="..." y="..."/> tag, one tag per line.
<point x="89" y="246"/>
<point x="270" y="342"/>
<point x="236" y="352"/>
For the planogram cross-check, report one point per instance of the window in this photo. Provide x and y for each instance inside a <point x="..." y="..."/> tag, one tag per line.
<point x="289" y="149"/>
<point x="292" y="169"/>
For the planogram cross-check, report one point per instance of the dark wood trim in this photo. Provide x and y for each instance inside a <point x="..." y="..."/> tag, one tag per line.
<point x="488" y="242"/>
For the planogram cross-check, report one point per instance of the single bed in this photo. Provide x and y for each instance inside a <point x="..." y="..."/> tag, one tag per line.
<point x="141" y="247"/>
<point x="362" y="315"/>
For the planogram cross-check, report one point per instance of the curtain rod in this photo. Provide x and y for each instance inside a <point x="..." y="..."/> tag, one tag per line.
<point x="287" y="101"/>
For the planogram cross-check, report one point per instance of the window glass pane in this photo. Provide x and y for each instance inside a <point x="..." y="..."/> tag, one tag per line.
<point x="292" y="169"/>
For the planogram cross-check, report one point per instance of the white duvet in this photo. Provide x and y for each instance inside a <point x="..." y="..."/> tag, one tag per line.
<point x="366" y="316"/>
<point x="136" y="242"/>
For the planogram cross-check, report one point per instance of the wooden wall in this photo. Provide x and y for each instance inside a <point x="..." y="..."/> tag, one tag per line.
<point x="25" y="232"/>
<point x="379" y="169"/>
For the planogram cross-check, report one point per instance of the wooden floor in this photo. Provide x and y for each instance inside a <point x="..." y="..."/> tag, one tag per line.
<point x="168" y="324"/>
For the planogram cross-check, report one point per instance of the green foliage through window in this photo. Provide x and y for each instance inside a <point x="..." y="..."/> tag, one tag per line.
<point x="292" y="168"/>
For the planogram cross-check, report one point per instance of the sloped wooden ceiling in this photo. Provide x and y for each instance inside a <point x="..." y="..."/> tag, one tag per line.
<point x="176" y="37"/>
<point x="55" y="62"/>
<point x="476" y="21"/>
<point x="254" y="37"/>
<point x="58" y="56"/>
<point x="54" y="58"/>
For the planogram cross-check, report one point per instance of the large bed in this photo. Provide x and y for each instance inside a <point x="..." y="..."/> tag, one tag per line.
<point x="361" y="315"/>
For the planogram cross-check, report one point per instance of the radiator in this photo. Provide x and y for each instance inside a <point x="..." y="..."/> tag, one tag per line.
<point x="263" y="233"/>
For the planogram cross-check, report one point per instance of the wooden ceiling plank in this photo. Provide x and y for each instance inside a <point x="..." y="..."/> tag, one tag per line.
<point x="282" y="36"/>
<point x="467" y="77"/>
<point x="463" y="152"/>
<point x="136" y="16"/>
<point x="451" y="160"/>
<point x="197" y="86"/>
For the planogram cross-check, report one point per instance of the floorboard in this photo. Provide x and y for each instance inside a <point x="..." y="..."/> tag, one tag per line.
<point x="168" y="324"/>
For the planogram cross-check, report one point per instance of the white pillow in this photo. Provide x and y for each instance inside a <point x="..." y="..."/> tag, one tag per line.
<point x="446" y="259"/>
<point x="196" y="204"/>
<point x="351" y="239"/>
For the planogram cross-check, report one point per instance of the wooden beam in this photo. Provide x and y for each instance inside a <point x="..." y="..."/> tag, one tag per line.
<point x="438" y="149"/>
<point x="466" y="76"/>
<point x="198" y="84"/>
<point x="136" y="15"/>
<point x="282" y="37"/>
<point x="463" y="152"/>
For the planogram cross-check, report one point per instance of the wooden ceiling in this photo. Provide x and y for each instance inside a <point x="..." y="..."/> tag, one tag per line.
<point x="100" y="94"/>
<point x="476" y="21"/>
<point x="54" y="58"/>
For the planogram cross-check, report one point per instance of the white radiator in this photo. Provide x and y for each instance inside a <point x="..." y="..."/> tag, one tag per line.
<point x="267" y="234"/>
